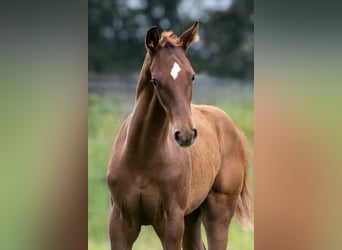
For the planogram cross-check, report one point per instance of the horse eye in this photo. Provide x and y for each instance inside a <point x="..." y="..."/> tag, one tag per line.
<point x="193" y="77"/>
<point x="155" y="82"/>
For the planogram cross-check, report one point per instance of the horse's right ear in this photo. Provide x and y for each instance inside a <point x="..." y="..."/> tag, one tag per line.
<point x="152" y="39"/>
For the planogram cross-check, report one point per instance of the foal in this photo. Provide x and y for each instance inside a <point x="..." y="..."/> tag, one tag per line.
<point x="174" y="164"/>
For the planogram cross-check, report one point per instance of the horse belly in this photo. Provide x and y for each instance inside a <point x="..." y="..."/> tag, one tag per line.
<point x="203" y="176"/>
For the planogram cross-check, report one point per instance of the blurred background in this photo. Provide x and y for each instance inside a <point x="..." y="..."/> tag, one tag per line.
<point x="223" y="61"/>
<point x="44" y="111"/>
<point x="117" y="30"/>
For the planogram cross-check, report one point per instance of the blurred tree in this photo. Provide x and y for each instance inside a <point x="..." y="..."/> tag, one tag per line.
<point x="117" y="28"/>
<point x="228" y="42"/>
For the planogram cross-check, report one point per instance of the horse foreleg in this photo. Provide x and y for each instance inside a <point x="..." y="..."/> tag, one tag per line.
<point x="122" y="232"/>
<point x="170" y="229"/>
<point x="192" y="239"/>
<point x="217" y="212"/>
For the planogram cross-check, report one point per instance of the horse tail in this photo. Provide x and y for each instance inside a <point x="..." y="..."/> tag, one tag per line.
<point x="244" y="210"/>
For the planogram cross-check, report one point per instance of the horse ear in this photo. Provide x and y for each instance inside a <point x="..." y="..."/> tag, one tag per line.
<point x="152" y="39"/>
<point x="190" y="35"/>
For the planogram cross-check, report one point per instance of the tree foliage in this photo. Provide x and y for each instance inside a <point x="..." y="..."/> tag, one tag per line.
<point x="117" y="29"/>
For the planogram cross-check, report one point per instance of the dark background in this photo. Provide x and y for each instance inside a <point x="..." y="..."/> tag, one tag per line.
<point x="116" y="31"/>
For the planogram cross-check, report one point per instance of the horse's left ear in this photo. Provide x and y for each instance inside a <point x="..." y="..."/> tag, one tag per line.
<point x="190" y="35"/>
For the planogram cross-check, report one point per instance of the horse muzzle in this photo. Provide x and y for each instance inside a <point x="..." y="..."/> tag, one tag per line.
<point x="185" y="138"/>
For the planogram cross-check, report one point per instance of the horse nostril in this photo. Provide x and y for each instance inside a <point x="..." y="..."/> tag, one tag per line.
<point x="177" y="133"/>
<point x="195" y="133"/>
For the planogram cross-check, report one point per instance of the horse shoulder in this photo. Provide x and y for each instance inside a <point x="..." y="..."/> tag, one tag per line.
<point x="232" y="149"/>
<point x="220" y="137"/>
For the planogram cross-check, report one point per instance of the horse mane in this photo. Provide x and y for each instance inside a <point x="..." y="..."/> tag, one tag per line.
<point x="169" y="38"/>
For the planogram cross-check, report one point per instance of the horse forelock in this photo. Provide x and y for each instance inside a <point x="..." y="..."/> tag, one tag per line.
<point x="169" y="38"/>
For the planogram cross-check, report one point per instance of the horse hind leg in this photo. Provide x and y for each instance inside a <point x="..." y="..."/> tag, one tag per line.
<point x="192" y="239"/>
<point x="217" y="212"/>
<point x="230" y="193"/>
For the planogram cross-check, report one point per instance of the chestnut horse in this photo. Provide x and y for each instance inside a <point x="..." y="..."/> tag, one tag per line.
<point x="175" y="165"/>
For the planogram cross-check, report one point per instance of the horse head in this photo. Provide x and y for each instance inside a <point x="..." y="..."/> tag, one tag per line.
<point x="172" y="77"/>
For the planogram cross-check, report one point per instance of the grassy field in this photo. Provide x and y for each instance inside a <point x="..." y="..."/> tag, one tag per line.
<point x="105" y="115"/>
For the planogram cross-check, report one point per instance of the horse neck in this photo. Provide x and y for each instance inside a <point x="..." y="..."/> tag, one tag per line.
<point x="149" y="125"/>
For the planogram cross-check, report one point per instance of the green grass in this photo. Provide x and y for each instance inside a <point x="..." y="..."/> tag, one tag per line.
<point x="105" y="116"/>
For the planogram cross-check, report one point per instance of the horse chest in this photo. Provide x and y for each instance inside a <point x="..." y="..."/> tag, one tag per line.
<point x="148" y="195"/>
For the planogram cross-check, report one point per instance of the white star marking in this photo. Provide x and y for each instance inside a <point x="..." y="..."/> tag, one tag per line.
<point x="175" y="70"/>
